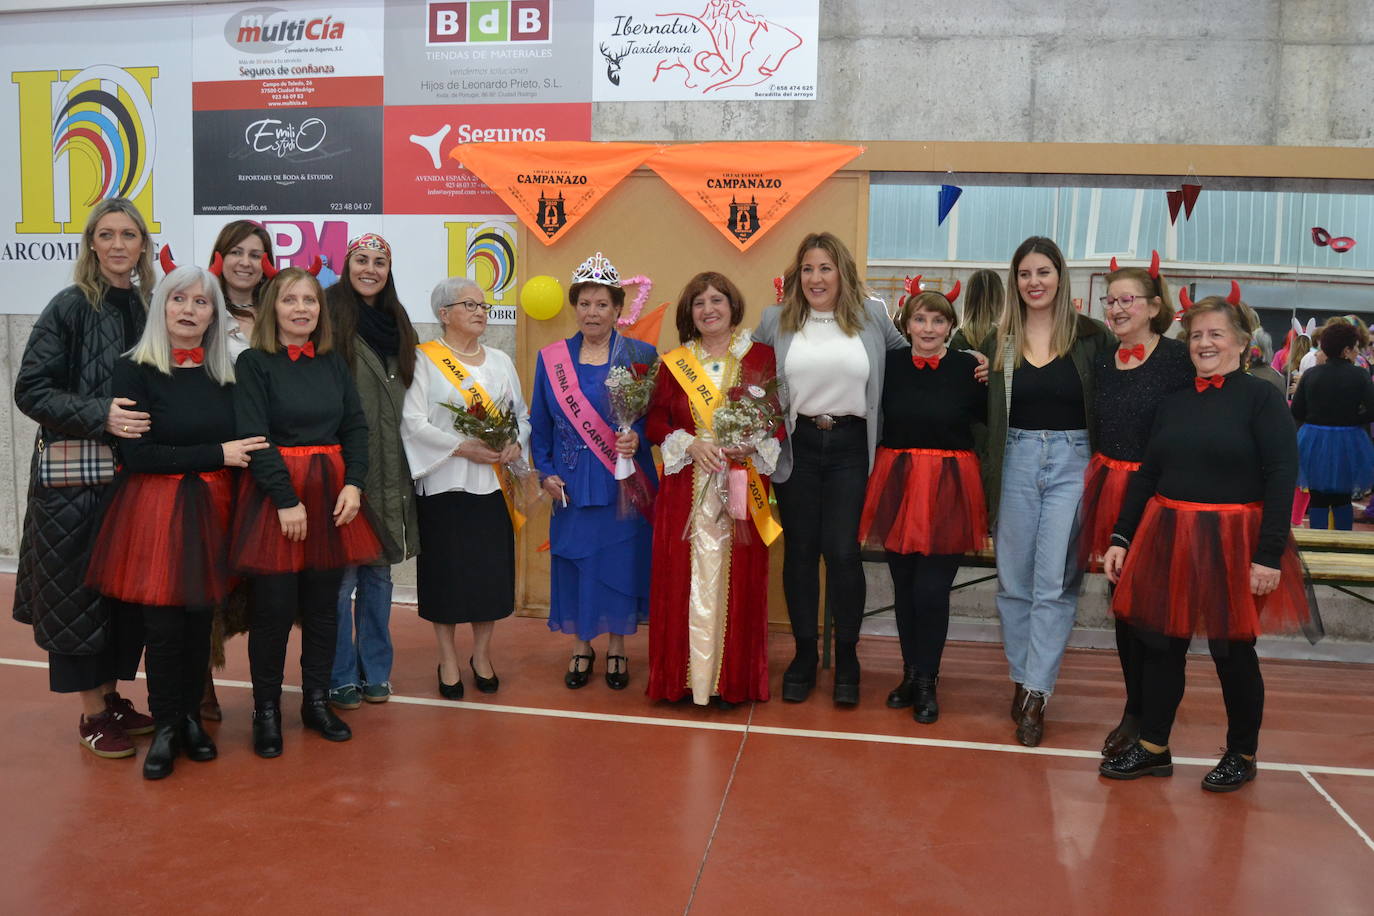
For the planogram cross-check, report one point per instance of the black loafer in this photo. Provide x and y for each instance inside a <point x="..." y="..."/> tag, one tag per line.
<point x="484" y="684"/>
<point x="157" y="763"/>
<point x="617" y="680"/>
<point x="197" y="741"/>
<point x="1230" y="774"/>
<point x="449" y="691"/>
<point x="577" y="676"/>
<point x="1137" y="761"/>
<point x="1119" y="739"/>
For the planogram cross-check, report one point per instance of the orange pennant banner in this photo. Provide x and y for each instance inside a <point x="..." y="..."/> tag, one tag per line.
<point x="648" y="327"/>
<point x="551" y="185"/>
<point x="745" y="189"/>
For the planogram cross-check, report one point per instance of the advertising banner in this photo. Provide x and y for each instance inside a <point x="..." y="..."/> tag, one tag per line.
<point x="713" y="50"/>
<point x="81" y="129"/>
<point x="423" y="177"/>
<point x="499" y="52"/>
<point x="552" y="185"/>
<point x="745" y="189"/>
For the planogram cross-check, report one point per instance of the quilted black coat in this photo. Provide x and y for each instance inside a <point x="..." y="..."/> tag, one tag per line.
<point x="64" y="383"/>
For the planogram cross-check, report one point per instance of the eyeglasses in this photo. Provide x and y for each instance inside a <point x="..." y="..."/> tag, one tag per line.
<point x="1123" y="301"/>
<point x="470" y="305"/>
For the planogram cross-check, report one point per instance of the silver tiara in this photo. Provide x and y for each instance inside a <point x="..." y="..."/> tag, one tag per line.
<point x="597" y="269"/>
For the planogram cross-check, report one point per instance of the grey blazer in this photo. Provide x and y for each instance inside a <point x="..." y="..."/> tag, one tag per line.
<point x="878" y="334"/>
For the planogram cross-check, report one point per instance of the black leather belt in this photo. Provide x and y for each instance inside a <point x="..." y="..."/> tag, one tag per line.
<point x="826" y="421"/>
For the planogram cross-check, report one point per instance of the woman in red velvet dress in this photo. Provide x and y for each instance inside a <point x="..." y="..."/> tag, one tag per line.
<point x="708" y="606"/>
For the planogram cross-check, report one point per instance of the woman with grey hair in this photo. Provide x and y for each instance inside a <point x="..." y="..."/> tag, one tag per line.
<point x="1259" y="357"/>
<point x="464" y="522"/>
<point x="163" y="543"/>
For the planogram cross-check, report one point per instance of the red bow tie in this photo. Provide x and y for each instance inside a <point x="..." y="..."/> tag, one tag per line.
<point x="923" y="362"/>
<point x="196" y="355"/>
<point x="295" y="352"/>
<point x="1202" y="384"/>
<point x="1126" y="353"/>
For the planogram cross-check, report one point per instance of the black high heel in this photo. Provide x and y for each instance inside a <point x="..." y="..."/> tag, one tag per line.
<point x="484" y="684"/>
<point x="617" y="680"/>
<point x="449" y="691"/>
<point x="576" y="676"/>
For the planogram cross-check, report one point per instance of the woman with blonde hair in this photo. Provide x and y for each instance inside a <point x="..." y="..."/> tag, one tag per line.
<point x="1040" y="412"/>
<point x="983" y="301"/>
<point x="64" y="383"/>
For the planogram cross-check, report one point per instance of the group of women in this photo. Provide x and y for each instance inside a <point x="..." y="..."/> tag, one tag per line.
<point x="1081" y="445"/>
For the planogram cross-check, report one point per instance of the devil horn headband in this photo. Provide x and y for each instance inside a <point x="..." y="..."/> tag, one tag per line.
<point x="777" y="286"/>
<point x="269" y="271"/>
<point x="164" y="257"/>
<point x="1233" y="296"/>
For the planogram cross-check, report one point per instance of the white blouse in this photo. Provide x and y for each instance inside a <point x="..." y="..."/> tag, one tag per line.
<point x="427" y="426"/>
<point x="826" y="370"/>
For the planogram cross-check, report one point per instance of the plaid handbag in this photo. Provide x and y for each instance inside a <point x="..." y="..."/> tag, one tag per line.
<point x="74" y="463"/>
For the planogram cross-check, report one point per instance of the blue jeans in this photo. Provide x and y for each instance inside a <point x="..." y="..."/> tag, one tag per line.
<point x="365" y="658"/>
<point x="1037" y="533"/>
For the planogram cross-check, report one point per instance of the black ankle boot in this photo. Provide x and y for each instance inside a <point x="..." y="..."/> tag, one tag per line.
<point x="900" y="697"/>
<point x="317" y="715"/>
<point x="847" y="673"/>
<point x="800" y="676"/>
<point x="157" y="763"/>
<point x="267" y="728"/>
<point x="197" y="741"/>
<point x="924" y="707"/>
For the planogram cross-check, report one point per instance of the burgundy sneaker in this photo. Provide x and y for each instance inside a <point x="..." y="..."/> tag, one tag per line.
<point x="131" y="720"/>
<point x="103" y="736"/>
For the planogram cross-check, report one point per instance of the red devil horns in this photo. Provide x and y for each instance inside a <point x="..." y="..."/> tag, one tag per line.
<point x="1184" y="302"/>
<point x="777" y="287"/>
<point x="269" y="271"/>
<point x="1154" y="264"/>
<point x="1113" y="267"/>
<point x="912" y="287"/>
<point x="1234" y="296"/>
<point x="164" y="258"/>
<point x="954" y="293"/>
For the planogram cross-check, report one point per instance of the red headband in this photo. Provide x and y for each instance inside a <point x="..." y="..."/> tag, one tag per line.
<point x="269" y="271"/>
<point x="164" y="257"/>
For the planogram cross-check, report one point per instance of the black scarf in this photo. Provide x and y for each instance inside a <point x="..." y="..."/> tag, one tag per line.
<point x="378" y="329"/>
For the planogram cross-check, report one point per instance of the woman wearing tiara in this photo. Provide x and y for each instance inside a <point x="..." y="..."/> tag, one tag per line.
<point x="599" y="560"/>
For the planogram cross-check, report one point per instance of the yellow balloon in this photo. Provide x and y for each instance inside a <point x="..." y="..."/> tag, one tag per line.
<point x="541" y="297"/>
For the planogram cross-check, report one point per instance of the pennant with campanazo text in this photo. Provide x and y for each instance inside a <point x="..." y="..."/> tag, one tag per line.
<point x="550" y="185"/>
<point x="745" y="189"/>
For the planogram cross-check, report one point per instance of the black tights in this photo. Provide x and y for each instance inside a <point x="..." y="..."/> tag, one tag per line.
<point x="276" y="601"/>
<point x="177" y="658"/>
<point x="1242" y="689"/>
<point x="920" y="592"/>
<point x="1131" y="651"/>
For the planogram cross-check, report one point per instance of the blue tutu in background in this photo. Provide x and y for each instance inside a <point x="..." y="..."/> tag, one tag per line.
<point x="1335" y="459"/>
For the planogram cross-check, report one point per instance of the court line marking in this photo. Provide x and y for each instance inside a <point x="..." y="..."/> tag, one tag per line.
<point x="720" y="812"/>
<point x="1339" y="810"/>
<point x="780" y="731"/>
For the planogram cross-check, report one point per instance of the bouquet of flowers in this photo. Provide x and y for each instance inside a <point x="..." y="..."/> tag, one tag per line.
<point x="751" y="414"/>
<point x="495" y="426"/>
<point x="629" y="388"/>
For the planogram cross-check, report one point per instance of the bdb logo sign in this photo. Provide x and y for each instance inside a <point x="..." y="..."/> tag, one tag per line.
<point x="492" y="21"/>
<point x="484" y="252"/>
<point x="84" y="136"/>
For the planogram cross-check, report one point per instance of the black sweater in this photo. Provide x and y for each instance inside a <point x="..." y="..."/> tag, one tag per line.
<point x="312" y="401"/>
<point x="1336" y="393"/>
<point x="1127" y="398"/>
<point x="190" y="413"/>
<point x="932" y="408"/>
<point x="1234" y="444"/>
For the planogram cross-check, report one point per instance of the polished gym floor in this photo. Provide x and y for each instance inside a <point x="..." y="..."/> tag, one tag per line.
<point x="541" y="799"/>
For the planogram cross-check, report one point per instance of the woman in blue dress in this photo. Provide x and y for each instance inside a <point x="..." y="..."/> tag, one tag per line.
<point x="599" y="556"/>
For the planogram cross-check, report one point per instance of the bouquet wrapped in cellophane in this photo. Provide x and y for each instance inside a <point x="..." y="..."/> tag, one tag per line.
<point x="752" y="413"/>
<point x="496" y="426"/>
<point x="629" y="389"/>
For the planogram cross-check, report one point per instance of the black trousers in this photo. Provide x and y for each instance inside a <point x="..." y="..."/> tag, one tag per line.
<point x="1242" y="689"/>
<point x="1131" y="651"/>
<point x="117" y="661"/>
<point x="821" y="503"/>
<point x="920" y="592"/>
<point x="176" y="660"/>
<point x="276" y="601"/>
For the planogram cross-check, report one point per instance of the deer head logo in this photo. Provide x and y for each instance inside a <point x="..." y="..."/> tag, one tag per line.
<point x="613" y="63"/>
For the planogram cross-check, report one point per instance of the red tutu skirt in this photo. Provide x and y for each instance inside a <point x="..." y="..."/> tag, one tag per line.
<point x="1188" y="572"/>
<point x="164" y="540"/>
<point x="1104" y="490"/>
<point x="317" y="473"/>
<point x="925" y="501"/>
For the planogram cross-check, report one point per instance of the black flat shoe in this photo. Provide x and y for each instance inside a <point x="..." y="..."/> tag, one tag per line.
<point x="1230" y="774"/>
<point x="317" y="715"/>
<point x="900" y="697"/>
<point x="723" y="704"/>
<point x="157" y="763"/>
<point x="197" y="741"/>
<point x="449" y="691"/>
<point x="617" y="680"/>
<point x="1137" y="761"/>
<point x="484" y="684"/>
<point x="1119" y="739"/>
<point x="267" y="729"/>
<point x="924" y="706"/>
<point x="577" y="676"/>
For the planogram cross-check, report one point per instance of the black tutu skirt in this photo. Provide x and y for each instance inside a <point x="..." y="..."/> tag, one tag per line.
<point x="1104" y="490"/>
<point x="258" y="546"/>
<point x="164" y="540"/>
<point x="926" y="501"/>
<point x="1188" y="572"/>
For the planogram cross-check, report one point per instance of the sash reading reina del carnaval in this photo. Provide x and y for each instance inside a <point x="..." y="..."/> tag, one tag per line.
<point x="596" y="433"/>
<point x="704" y="397"/>
<point x="459" y="376"/>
